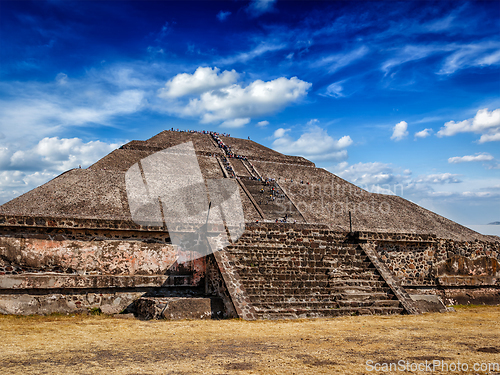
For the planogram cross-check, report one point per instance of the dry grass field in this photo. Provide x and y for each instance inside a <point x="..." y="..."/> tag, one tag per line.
<point x="106" y="345"/>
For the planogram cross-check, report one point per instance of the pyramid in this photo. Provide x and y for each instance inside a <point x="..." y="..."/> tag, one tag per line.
<point x="313" y="244"/>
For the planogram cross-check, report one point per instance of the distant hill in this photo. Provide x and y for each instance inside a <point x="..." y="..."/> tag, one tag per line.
<point x="495" y="223"/>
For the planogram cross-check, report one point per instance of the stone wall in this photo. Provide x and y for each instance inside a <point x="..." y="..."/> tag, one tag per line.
<point x="216" y="286"/>
<point x="424" y="260"/>
<point x="97" y="251"/>
<point x="59" y="265"/>
<point x="458" y="271"/>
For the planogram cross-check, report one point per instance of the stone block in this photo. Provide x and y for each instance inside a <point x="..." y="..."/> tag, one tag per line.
<point x="175" y="308"/>
<point x="428" y="303"/>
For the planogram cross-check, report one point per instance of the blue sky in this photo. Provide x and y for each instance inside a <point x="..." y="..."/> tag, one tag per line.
<point x="393" y="96"/>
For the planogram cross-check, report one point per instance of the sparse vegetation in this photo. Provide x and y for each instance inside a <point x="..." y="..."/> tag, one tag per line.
<point x="95" y="311"/>
<point x="93" y="344"/>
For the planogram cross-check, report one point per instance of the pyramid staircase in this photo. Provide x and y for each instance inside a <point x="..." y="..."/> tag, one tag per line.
<point x="275" y="208"/>
<point x="273" y="203"/>
<point x="311" y="276"/>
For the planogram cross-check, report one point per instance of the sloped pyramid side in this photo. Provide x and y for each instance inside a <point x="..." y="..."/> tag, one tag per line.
<point x="99" y="191"/>
<point x="326" y="198"/>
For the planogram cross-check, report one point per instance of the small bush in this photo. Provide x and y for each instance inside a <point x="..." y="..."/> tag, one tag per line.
<point x="95" y="311"/>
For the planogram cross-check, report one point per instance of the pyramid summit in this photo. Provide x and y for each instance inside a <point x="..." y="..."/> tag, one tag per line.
<point x="280" y="238"/>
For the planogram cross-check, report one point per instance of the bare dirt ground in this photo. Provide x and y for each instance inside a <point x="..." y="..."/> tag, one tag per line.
<point x="106" y="345"/>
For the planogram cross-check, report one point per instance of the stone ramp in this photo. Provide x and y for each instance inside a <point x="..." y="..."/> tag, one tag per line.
<point x="298" y="273"/>
<point x="275" y="208"/>
<point x="240" y="168"/>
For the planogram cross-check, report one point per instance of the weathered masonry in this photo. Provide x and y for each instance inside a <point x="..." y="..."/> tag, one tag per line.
<point x="71" y="245"/>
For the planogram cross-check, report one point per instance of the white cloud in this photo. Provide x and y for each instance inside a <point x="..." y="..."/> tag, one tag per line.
<point x="263" y="123"/>
<point x="278" y="133"/>
<point x="489" y="138"/>
<point x="444" y="193"/>
<point x="55" y="155"/>
<point x="452" y="128"/>
<point x="315" y="143"/>
<point x="438" y="178"/>
<point x="259" y="7"/>
<point x="470" y="158"/>
<point x="235" y="123"/>
<point x="24" y="170"/>
<point x="127" y="76"/>
<point x="462" y="56"/>
<point x="222" y="15"/>
<point x="383" y="178"/>
<point x="259" y="98"/>
<point x="428" y="119"/>
<point x="439" y="24"/>
<point x="15" y="183"/>
<point x="259" y="50"/>
<point x="366" y="174"/>
<point x="335" y="90"/>
<point x="62" y="78"/>
<point x="411" y="53"/>
<point x="400" y="131"/>
<point x="423" y="133"/>
<point x="338" y="61"/>
<point x="471" y="55"/>
<point x="41" y="109"/>
<point x="203" y="80"/>
<point x="485" y="122"/>
<point x="479" y="194"/>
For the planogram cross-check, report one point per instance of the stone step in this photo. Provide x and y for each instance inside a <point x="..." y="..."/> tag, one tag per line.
<point x="319" y="294"/>
<point x="333" y="297"/>
<point x="291" y="241"/>
<point x="295" y="233"/>
<point x="301" y="266"/>
<point x="307" y="295"/>
<point x="312" y="291"/>
<point x="310" y="287"/>
<point x="319" y="259"/>
<point x="269" y="237"/>
<point x="292" y="246"/>
<point x="294" y="279"/>
<point x="266" y="236"/>
<point x="388" y="303"/>
<point x="298" y="281"/>
<point x="273" y="305"/>
<point x="318" y="254"/>
<point x="292" y="266"/>
<point x="305" y="277"/>
<point x="311" y="258"/>
<point x="310" y="313"/>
